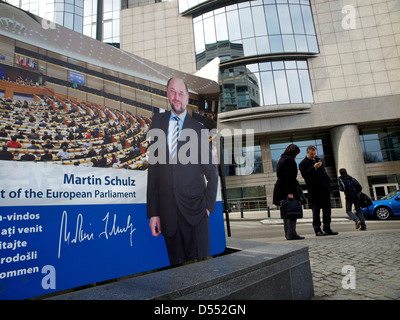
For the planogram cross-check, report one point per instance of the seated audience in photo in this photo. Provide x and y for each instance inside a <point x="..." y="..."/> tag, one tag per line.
<point x="63" y="154"/>
<point x="33" y="145"/>
<point x="48" y="144"/>
<point x="5" y="154"/>
<point x="13" y="143"/>
<point x="28" y="157"/>
<point x="47" y="156"/>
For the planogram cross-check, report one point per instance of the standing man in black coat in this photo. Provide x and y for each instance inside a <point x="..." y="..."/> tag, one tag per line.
<point x="182" y="179"/>
<point x="319" y="191"/>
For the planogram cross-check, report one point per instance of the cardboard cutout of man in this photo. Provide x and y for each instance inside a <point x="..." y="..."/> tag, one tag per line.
<point x="181" y="195"/>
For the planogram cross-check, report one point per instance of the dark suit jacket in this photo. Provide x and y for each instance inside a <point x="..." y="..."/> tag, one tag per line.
<point x="317" y="181"/>
<point x="173" y="187"/>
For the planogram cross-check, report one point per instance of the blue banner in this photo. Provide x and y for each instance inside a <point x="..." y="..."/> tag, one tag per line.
<point x="63" y="226"/>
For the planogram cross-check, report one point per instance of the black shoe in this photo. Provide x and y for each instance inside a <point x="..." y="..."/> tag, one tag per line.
<point x="320" y="234"/>
<point x="299" y="238"/>
<point x="332" y="233"/>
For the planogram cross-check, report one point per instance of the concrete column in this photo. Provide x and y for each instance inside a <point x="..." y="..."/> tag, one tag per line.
<point x="348" y="154"/>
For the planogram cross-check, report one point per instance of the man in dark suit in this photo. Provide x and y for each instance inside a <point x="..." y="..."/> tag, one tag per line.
<point x="182" y="180"/>
<point x="319" y="191"/>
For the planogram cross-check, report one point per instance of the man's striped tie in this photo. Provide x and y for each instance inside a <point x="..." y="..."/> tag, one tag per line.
<point x="174" y="139"/>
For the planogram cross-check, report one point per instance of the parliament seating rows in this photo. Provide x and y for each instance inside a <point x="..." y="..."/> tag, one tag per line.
<point x="86" y="129"/>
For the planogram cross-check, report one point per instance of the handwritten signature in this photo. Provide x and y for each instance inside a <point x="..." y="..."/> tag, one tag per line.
<point x="80" y="235"/>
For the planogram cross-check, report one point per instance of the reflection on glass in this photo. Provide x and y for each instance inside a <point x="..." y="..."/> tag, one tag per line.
<point x="288" y="43"/>
<point x="284" y="19"/>
<point x="209" y="31"/>
<point x="272" y="19"/>
<point x="260" y="26"/>
<point x="282" y="93"/>
<point x="305" y="84"/>
<point x="268" y="88"/>
<point x="273" y="27"/>
<point x="262" y="45"/>
<point x="276" y="44"/>
<point x="246" y="22"/>
<point x="249" y="47"/>
<point x="233" y="25"/>
<point x="221" y="27"/>
<point x="199" y="37"/>
<point x="294" y="86"/>
<point x="267" y="83"/>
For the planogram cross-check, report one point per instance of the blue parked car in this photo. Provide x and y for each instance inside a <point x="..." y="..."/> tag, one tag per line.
<point x="384" y="208"/>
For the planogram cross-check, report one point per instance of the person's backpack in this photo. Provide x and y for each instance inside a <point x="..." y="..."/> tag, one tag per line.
<point x="349" y="187"/>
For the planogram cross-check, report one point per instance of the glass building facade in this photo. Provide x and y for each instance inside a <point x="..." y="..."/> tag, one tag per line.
<point x="79" y="15"/>
<point x="276" y="36"/>
<point x="68" y="13"/>
<point x="258" y="27"/>
<point x="111" y="20"/>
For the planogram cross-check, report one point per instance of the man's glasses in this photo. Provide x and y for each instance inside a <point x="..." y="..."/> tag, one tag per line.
<point x="180" y="94"/>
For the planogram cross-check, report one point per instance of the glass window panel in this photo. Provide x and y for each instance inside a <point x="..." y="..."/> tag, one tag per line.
<point x="116" y="5"/>
<point x="262" y="45"/>
<point x="107" y="16"/>
<point x="233" y="25"/>
<point x="288" y="43"/>
<point x="69" y="8"/>
<point x="107" y="29"/>
<point x="265" y="66"/>
<point x="249" y="47"/>
<point x="268" y="88"/>
<point x="68" y="20"/>
<point x="290" y="65"/>
<point x="275" y="43"/>
<point x="78" y="24"/>
<point x="278" y="65"/>
<point x="272" y="19"/>
<point x="305" y="85"/>
<point x="302" y="64"/>
<point x="312" y="44"/>
<point x="308" y="20"/>
<point x="209" y="31"/>
<point x="116" y="32"/>
<point x="199" y="37"/>
<point x="284" y="19"/>
<point x="301" y="43"/>
<point x="294" y="86"/>
<point x="246" y="22"/>
<point x="297" y="20"/>
<point x="107" y="6"/>
<point x="88" y="9"/>
<point x="260" y="25"/>
<point x="87" y="30"/>
<point x="221" y="27"/>
<point x="281" y="87"/>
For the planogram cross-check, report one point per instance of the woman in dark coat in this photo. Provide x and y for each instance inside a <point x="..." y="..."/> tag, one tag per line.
<point x="286" y="186"/>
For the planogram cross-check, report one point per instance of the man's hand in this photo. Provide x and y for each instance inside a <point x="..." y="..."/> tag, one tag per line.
<point x="208" y="212"/>
<point x="155" y="226"/>
<point x="318" y="164"/>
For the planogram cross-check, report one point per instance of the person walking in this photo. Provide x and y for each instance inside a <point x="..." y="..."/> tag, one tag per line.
<point x="319" y="191"/>
<point x="352" y="188"/>
<point x="287" y="187"/>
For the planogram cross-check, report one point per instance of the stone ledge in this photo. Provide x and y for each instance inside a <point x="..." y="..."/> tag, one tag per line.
<point x="256" y="271"/>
